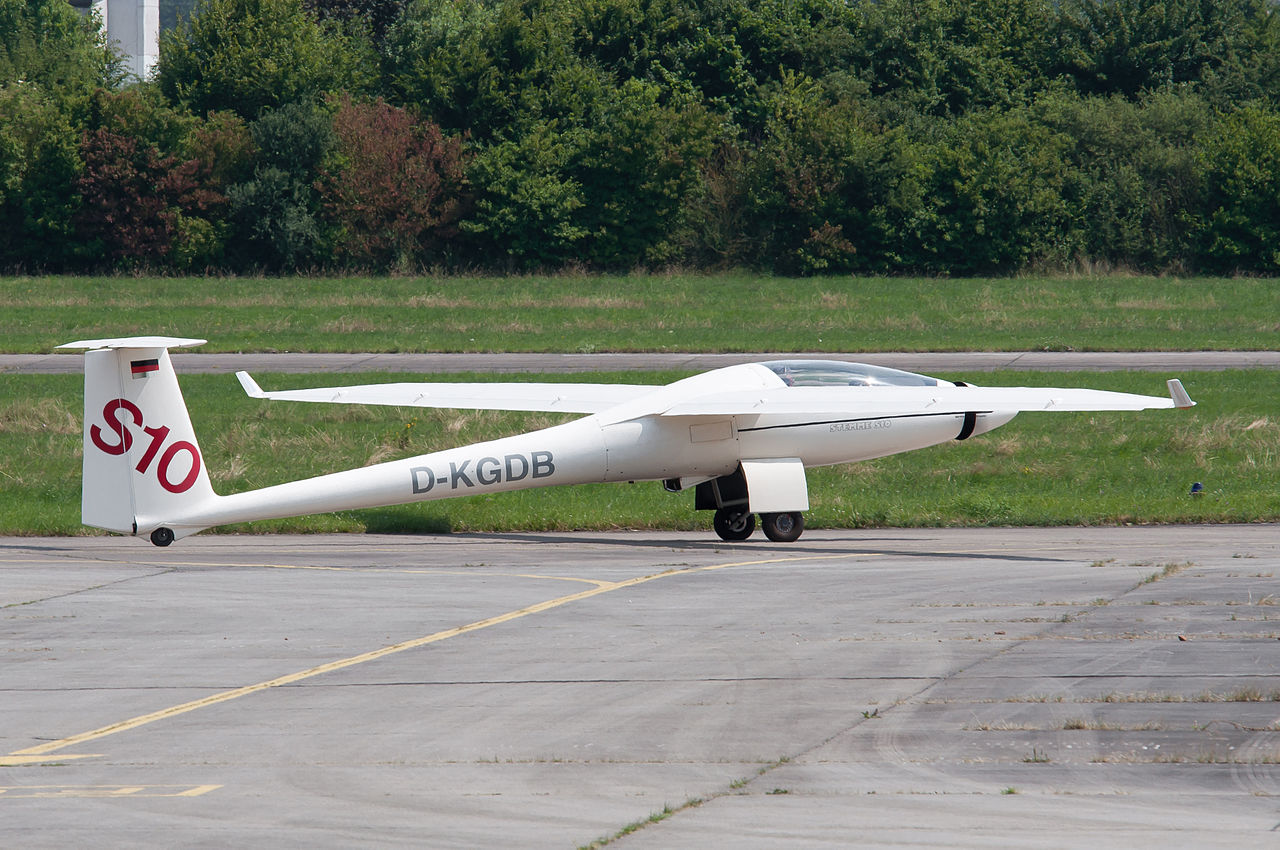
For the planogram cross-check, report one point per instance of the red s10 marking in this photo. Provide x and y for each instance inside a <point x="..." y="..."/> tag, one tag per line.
<point x="114" y="413"/>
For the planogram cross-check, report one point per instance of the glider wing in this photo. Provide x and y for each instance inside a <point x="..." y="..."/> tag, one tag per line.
<point x="552" y="398"/>
<point x="906" y="401"/>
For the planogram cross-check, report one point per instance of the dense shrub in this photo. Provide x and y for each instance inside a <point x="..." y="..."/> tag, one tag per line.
<point x="1241" y="161"/>
<point x="135" y="188"/>
<point x="125" y="217"/>
<point x="823" y="184"/>
<point x="39" y="165"/>
<point x="274" y="222"/>
<point x="1133" y="185"/>
<point x="993" y="196"/>
<point x="393" y="190"/>
<point x="216" y="152"/>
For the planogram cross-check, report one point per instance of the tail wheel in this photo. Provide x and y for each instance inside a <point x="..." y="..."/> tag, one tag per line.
<point x="783" y="528"/>
<point x="734" y="524"/>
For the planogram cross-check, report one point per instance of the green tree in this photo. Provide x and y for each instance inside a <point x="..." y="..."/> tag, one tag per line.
<point x="139" y="111"/>
<point x="488" y="68"/>
<point x="50" y="44"/>
<point x="249" y="55"/>
<point x="39" y="163"/>
<point x="222" y="140"/>
<point x="945" y="57"/>
<point x="274" y="214"/>
<point x="638" y="166"/>
<point x="526" y="201"/>
<point x="825" y="184"/>
<point x="1127" y="47"/>
<point x="215" y="154"/>
<point x="1133" y="184"/>
<point x="374" y="16"/>
<point x="1241" y="162"/>
<point x="993" y="198"/>
<point x="573" y="162"/>
<point x="678" y="46"/>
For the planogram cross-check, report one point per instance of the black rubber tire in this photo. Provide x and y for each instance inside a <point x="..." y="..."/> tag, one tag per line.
<point x="783" y="528"/>
<point x="162" y="536"/>
<point x="733" y="524"/>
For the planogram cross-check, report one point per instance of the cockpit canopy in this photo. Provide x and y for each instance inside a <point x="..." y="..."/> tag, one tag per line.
<point x="836" y="373"/>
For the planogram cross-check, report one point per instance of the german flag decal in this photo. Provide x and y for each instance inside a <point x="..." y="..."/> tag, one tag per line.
<point x="141" y="368"/>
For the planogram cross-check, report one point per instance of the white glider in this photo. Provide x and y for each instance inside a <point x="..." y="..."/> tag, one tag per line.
<point x="741" y="436"/>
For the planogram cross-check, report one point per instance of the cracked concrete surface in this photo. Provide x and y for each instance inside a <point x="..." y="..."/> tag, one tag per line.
<point x="953" y="688"/>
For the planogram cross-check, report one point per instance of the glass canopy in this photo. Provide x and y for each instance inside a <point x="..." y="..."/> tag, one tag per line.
<point x="836" y="373"/>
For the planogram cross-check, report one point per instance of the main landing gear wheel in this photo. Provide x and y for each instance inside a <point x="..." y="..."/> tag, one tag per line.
<point x="733" y="524"/>
<point x="783" y="528"/>
<point x="162" y="536"/>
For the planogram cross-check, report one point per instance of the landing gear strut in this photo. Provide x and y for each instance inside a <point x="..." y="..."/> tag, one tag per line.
<point x="734" y="523"/>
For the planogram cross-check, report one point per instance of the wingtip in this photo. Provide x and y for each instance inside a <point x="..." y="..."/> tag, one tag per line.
<point x="251" y="388"/>
<point x="1179" y="395"/>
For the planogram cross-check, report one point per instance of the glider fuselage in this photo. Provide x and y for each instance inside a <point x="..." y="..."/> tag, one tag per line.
<point x="602" y="447"/>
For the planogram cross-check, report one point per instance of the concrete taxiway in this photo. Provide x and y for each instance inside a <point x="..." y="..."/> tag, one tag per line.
<point x="1110" y="688"/>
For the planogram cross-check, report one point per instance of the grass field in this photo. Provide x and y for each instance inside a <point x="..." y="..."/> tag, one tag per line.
<point x="1102" y="468"/>
<point x="729" y="312"/>
<point x="1040" y="469"/>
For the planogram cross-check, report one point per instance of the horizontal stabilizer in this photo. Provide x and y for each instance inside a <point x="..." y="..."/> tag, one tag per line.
<point x="136" y="342"/>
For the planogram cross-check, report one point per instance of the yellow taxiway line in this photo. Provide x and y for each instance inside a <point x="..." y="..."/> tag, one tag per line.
<point x="63" y="791"/>
<point x="40" y="753"/>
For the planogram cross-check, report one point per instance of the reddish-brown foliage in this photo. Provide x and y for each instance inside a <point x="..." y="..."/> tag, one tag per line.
<point x="131" y="197"/>
<point x="222" y="142"/>
<point x="395" y="191"/>
<point x="123" y="208"/>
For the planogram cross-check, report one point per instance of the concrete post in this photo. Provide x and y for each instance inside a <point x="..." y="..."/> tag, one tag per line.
<point x="133" y="29"/>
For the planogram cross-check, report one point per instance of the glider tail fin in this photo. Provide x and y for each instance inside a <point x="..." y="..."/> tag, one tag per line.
<point x="143" y="471"/>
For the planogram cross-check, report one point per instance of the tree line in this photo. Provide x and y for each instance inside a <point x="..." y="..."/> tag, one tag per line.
<point x="790" y="136"/>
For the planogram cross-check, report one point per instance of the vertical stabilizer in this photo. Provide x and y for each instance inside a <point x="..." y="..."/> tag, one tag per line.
<point x="143" y="470"/>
